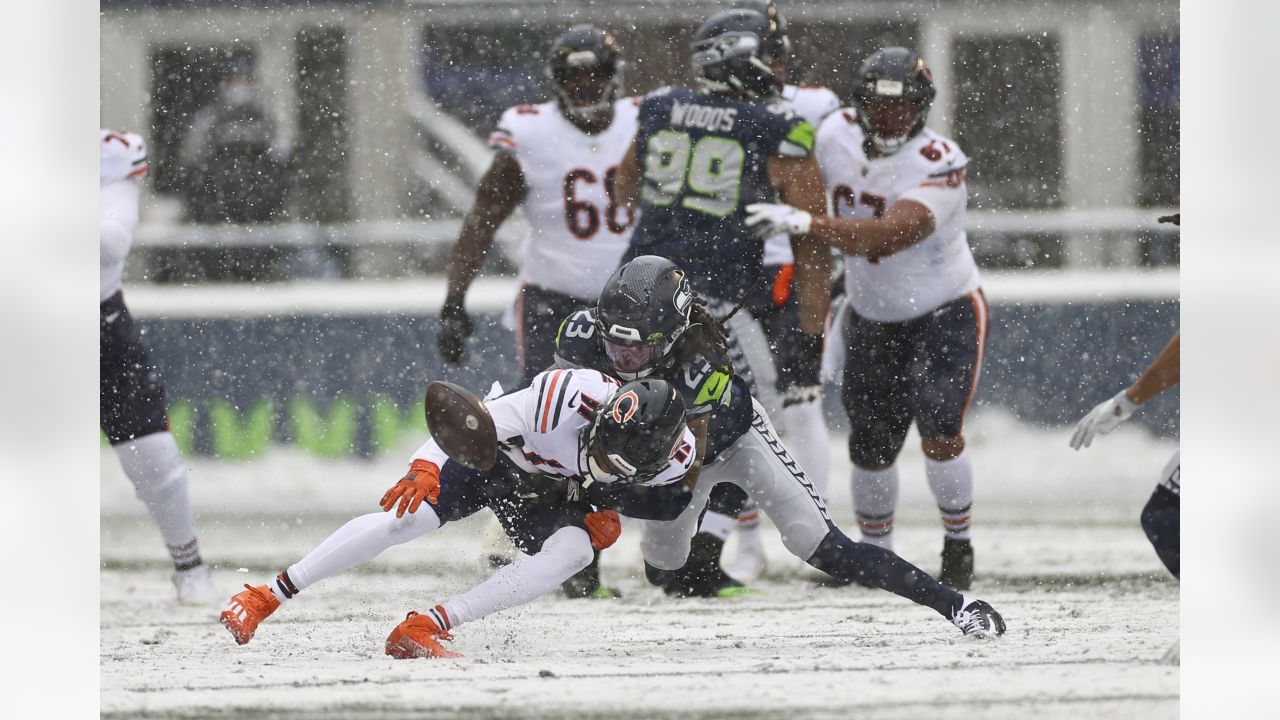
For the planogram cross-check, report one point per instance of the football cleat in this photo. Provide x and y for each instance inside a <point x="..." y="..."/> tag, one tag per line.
<point x="977" y="619"/>
<point x="957" y="564"/>
<point x="247" y="609"/>
<point x="749" y="562"/>
<point x="194" y="586"/>
<point x="418" y="637"/>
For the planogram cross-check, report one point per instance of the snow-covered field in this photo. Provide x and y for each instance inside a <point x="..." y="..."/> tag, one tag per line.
<point x="1059" y="552"/>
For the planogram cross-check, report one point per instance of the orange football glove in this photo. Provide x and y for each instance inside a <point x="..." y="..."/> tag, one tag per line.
<point x="422" y="481"/>
<point x="604" y="527"/>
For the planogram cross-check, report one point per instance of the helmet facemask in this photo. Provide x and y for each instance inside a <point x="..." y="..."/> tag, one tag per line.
<point x="889" y="122"/>
<point x="634" y="356"/>
<point x="585" y="70"/>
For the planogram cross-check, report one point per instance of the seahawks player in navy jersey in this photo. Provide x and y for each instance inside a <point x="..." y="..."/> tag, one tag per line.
<point x="649" y="323"/>
<point x="699" y="157"/>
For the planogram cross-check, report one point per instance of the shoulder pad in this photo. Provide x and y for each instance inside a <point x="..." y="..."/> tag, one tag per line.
<point x="516" y="122"/>
<point x="122" y="155"/>
<point x="576" y="343"/>
<point x="702" y="385"/>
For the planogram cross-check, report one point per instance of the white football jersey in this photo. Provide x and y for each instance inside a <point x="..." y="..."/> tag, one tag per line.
<point x="540" y="428"/>
<point x="122" y="162"/>
<point x="577" y="231"/>
<point x="812" y="103"/>
<point x="930" y="170"/>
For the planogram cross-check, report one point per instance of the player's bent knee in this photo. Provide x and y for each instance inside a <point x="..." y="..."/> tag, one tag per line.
<point x="873" y="453"/>
<point x="941" y="449"/>
<point x="573" y="546"/>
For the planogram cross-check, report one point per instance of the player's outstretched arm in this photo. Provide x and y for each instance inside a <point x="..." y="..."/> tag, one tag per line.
<point x="501" y="190"/>
<point x="1163" y="373"/>
<point x="799" y="182"/>
<point x="906" y="223"/>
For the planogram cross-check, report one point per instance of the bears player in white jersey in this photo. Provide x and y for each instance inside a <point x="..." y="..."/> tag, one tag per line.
<point x="131" y="399"/>
<point x="570" y="440"/>
<point x="916" y="327"/>
<point x="558" y="160"/>
<point x="800" y="419"/>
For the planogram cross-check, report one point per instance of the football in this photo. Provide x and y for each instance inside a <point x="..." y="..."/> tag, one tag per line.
<point x="461" y="425"/>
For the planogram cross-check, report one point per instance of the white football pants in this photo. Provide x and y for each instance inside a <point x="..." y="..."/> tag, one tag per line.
<point x="760" y="465"/>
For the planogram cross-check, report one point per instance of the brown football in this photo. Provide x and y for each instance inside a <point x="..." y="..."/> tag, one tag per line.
<point x="461" y="425"/>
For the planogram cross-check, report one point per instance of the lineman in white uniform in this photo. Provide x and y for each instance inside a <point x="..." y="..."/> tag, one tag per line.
<point x="557" y="159"/>
<point x="800" y="418"/>
<point x="916" y="327"/>
<point x="570" y="440"/>
<point x="132" y="406"/>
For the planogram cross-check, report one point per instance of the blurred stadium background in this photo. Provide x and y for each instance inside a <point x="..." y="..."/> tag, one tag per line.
<point x="318" y="321"/>
<point x="295" y="351"/>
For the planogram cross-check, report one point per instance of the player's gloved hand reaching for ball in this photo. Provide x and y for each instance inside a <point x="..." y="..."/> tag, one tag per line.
<point x="455" y="328"/>
<point x="769" y="219"/>
<point x="422" y="481"/>
<point x="1103" y="419"/>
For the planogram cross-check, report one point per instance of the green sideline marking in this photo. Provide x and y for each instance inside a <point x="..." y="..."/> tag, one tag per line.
<point x="325" y="429"/>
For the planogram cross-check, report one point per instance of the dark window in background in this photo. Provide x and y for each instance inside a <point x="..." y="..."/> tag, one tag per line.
<point x="829" y="54"/>
<point x="321" y="155"/>
<point x="475" y="73"/>
<point x="1158" y="119"/>
<point x="1008" y="120"/>
<point x="184" y="78"/>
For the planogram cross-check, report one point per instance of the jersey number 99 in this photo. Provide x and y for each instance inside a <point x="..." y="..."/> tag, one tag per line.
<point x="708" y="173"/>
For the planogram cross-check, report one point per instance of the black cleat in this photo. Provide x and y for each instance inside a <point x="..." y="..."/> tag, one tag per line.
<point x="957" y="564"/>
<point x="586" y="584"/>
<point x="702" y="575"/>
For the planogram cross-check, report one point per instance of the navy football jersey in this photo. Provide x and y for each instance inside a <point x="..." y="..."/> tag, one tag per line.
<point x="703" y="158"/>
<point x="705" y="388"/>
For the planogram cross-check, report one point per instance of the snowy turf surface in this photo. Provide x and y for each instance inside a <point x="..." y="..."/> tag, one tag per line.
<point x="1059" y="553"/>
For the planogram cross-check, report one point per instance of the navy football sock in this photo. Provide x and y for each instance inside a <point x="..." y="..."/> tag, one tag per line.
<point x="866" y="564"/>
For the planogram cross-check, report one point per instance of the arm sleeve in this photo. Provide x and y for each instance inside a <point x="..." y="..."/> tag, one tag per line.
<point x="642" y="502"/>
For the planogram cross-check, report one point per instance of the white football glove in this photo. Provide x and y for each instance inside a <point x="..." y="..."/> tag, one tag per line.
<point x="769" y="219"/>
<point x="1102" y="419"/>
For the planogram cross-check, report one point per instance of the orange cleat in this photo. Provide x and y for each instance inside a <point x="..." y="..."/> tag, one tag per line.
<point x="246" y="610"/>
<point x="418" y="637"/>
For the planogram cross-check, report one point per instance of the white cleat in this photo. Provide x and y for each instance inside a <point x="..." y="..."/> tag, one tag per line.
<point x="194" y="585"/>
<point x="977" y="619"/>
<point x="749" y="562"/>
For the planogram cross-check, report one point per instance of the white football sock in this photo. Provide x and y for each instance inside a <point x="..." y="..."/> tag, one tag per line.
<point x="804" y="432"/>
<point x="567" y="551"/>
<point x="356" y="543"/>
<point x="952" y="485"/>
<point x="875" y="496"/>
<point x="155" y="467"/>
<point x="717" y="525"/>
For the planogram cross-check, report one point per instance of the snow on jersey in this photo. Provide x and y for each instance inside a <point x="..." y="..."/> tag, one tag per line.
<point x="930" y="170"/>
<point x="812" y="103"/>
<point x="540" y="427"/>
<point x="122" y="162"/>
<point x="577" y="230"/>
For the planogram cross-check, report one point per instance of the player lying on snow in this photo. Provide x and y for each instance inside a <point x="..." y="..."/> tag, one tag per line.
<point x="571" y="440"/>
<point x="649" y="323"/>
